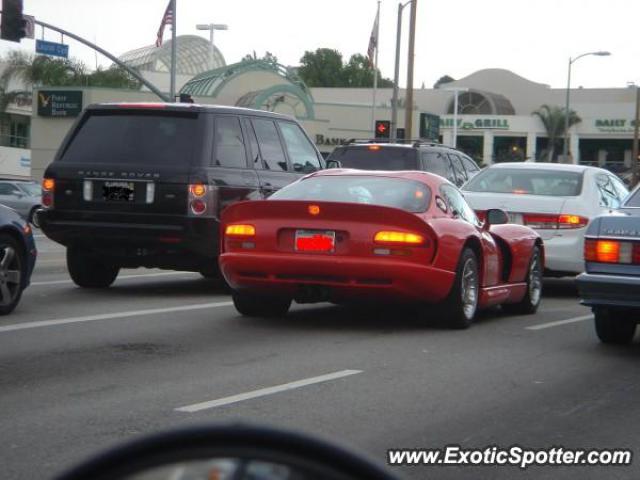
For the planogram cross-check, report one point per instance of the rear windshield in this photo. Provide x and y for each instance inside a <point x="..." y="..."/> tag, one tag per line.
<point x="375" y="157"/>
<point x="140" y="138"/>
<point x="407" y="195"/>
<point x="529" y="181"/>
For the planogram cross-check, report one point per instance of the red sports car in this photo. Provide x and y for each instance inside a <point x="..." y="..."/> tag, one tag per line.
<point x="345" y="235"/>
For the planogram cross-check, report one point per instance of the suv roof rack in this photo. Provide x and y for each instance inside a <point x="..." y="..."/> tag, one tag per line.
<point x="416" y="142"/>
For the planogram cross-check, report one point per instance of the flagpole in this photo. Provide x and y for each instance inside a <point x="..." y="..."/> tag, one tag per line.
<point x="375" y="73"/>
<point x="173" y="51"/>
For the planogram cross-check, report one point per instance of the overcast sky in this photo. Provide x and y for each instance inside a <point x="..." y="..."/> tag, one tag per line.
<point x="533" y="38"/>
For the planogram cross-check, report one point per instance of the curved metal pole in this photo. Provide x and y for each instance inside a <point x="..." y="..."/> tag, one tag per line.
<point x="131" y="71"/>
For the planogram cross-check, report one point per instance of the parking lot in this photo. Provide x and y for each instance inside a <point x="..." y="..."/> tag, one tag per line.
<point x="81" y="370"/>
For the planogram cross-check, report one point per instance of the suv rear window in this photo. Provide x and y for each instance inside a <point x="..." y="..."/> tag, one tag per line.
<point x="408" y="195"/>
<point x="141" y="138"/>
<point x="527" y="181"/>
<point x="376" y="157"/>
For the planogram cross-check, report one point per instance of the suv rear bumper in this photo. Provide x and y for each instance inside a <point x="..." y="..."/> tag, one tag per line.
<point x="164" y="241"/>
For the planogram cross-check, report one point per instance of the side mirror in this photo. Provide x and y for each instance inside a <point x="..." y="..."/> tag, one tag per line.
<point x="334" y="164"/>
<point x="495" y="216"/>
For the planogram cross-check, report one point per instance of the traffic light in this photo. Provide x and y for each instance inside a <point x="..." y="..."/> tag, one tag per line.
<point x="12" y="26"/>
<point x="383" y="127"/>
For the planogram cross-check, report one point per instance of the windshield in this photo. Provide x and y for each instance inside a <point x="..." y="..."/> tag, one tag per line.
<point x="30" y="188"/>
<point x="529" y="181"/>
<point x="139" y="138"/>
<point x="408" y="195"/>
<point x="633" y="200"/>
<point x="376" y="157"/>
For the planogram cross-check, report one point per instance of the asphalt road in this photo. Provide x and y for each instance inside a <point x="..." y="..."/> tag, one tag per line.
<point x="147" y="354"/>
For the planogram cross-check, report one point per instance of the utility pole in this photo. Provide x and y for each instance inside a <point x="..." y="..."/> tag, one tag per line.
<point x="396" y="77"/>
<point x="634" y="150"/>
<point x="408" y="118"/>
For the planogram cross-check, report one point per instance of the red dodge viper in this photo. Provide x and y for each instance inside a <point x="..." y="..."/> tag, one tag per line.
<point x="345" y="235"/>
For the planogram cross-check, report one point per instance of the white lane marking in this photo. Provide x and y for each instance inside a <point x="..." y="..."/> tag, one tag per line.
<point x="266" y="391"/>
<point x="107" y="316"/>
<point x="121" y="277"/>
<point x="558" y="323"/>
<point x="39" y="236"/>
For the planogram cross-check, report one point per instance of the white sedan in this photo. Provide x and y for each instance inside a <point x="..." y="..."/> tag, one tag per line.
<point x="557" y="200"/>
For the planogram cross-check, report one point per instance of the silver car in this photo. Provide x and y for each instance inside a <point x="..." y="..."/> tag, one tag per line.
<point x="23" y="196"/>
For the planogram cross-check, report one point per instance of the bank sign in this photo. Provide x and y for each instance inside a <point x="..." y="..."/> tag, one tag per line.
<point x="494" y="123"/>
<point x="59" y="103"/>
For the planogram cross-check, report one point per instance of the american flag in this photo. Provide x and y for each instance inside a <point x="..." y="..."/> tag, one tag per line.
<point x="373" y="39"/>
<point x="167" y="19"/>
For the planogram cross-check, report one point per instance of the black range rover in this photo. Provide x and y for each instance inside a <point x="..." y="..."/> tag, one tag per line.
<point x="142" y="185"/>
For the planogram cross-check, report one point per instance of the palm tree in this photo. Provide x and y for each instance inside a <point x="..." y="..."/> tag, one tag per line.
<point x="553" y="119"/>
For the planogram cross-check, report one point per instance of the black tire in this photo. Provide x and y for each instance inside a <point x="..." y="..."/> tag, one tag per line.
<point x="460" y="308"/>
<point x="88" y="271"/>
<point x="33" y="217"/>
<point x="531" y="300"/>
<point x="259" y="306"/>
<point x="614" y="326"/>
<point x="12" y="271"/>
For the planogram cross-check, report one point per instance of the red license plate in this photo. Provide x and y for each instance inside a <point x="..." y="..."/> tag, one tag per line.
<point x="315" y="241"/>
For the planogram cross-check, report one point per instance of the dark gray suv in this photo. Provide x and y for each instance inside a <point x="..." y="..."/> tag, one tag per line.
<point x="445" y="161"/>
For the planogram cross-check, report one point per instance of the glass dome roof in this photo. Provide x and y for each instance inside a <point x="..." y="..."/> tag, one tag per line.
<point x="193" y="56"/>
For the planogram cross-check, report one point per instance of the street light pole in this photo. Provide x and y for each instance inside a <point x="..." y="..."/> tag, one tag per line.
<point x="396" y="76"/>
<point x="211" y="27"/>
<point x="634" y="150"/>
<point x="565" y="146"/>
<point x="456" y="90"/>
<point x="408" y="115"/>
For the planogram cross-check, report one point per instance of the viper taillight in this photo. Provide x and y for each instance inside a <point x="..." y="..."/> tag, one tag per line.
<point x="611" y="251"/>
<point x="240" y="230"/>
<point x="397" y="238"/>
<point x="48" y="190"/>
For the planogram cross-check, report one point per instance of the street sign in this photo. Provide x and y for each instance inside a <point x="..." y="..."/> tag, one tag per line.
<point x="29" y="26"/>
<point x="59" y="103"/>
<point x="51" y="48"/>
<point x="429" y="126"/>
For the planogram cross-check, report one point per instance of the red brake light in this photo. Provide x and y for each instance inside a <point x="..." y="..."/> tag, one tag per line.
<point x="572" y="221"/>
<point x="611" y="251"/>
<point x="374" y="147"/>
<point x="549" y="221"/>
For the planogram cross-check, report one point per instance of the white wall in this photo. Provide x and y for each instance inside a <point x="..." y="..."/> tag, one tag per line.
<point x="15" y="162"/>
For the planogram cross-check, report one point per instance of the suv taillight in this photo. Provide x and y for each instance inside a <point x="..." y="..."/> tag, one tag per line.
<point x="200" y="200"/>
<point x="48" y="190"/>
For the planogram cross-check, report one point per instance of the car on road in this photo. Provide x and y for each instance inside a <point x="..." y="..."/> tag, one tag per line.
<point x="23" y="196"/>
<point x="344" y="235"/>
<point x="445" y="161"/>
<point x="143" y="184"/>
<point x="17" y="258"/>
<point x="556" y="200"/>
<point x="611" y="283"/>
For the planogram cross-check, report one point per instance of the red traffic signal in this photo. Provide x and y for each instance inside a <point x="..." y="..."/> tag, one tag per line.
<point x="382" y="128"/>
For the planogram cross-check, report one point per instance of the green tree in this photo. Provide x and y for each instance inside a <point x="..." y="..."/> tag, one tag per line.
<point x="322" y="68"/>
<point x="112" y="77"/>
<point x="553" y="120"/>
<point x="325" y="68"/>
<point x="442" y="80"/>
